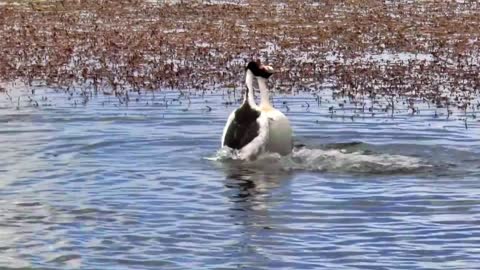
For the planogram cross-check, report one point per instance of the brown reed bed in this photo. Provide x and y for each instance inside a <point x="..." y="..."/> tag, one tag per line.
<point x="389" y="50"/>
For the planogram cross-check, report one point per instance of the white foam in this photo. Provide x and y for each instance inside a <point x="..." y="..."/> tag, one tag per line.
<point x="337" y="160"/>
<point x="331" y="160"/>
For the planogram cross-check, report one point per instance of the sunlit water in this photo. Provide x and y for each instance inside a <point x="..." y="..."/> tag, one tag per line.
<point x="106" y="186"/>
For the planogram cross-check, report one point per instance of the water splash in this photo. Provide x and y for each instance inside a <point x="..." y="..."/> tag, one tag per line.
<point x="331" y="160"/>
<point x="341" y="160"/>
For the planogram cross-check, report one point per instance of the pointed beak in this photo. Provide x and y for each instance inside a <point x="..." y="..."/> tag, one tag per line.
<point x="267" y="68"/>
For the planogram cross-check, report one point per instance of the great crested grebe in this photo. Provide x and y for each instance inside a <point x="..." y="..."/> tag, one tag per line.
<point x="247" y="128"/>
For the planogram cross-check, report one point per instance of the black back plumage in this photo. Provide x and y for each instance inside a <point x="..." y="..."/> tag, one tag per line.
<point x="244" y="127"/>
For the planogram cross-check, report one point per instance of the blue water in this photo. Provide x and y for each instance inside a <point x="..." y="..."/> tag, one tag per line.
<point x="103" y="185"/>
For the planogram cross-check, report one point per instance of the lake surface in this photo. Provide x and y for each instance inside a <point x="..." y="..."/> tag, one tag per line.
<point x="105" y="186"/>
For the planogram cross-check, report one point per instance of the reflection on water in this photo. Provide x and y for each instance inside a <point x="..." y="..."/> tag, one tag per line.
<point x="105" y="186"/>
<point x="251" y="191"/>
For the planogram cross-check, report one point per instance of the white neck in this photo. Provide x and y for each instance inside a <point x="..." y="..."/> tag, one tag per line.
<point x="249" y="82"/>
<point x="264" y="97"/>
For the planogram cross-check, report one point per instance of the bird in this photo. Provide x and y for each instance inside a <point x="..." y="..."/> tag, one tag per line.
<point x="280" y="131"/>
<point x="247" y="128"/>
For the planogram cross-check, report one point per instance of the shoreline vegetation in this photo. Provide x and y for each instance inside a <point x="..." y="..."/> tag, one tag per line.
<point x="396" y="51"/>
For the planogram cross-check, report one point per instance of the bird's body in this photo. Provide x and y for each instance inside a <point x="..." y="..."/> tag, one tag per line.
<point x="246" y="129"/>
<point x="252" y="129"/>
<point x="280" y="132"/>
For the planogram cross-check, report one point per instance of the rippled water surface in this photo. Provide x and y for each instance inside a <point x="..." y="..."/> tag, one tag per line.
<point x="105" y="186"/>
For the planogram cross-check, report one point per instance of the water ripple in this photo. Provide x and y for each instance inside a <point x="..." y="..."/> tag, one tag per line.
<point x="103" y="186"/>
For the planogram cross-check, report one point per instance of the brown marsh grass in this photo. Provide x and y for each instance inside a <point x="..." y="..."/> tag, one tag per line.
<point x="410" y="50"/>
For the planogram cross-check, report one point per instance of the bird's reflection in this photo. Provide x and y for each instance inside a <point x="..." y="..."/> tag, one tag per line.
<point x="253" y="183"/>
<point x="255" y="190"/>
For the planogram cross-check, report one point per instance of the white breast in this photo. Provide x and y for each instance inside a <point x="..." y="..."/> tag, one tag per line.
<point x="280" y="136"/>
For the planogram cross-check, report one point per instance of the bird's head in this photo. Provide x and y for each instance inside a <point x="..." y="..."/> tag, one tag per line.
<point x="260" y="70"/>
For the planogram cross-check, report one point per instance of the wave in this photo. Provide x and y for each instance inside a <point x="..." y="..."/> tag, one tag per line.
<point x="332" y="160"/>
